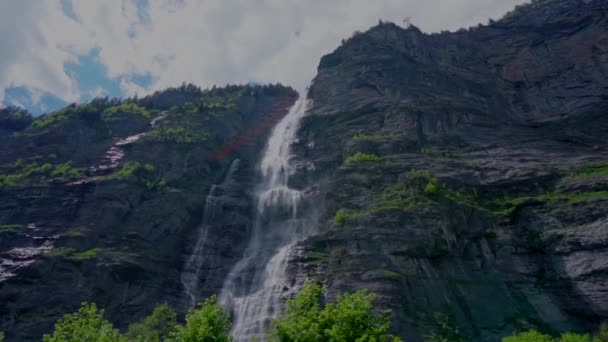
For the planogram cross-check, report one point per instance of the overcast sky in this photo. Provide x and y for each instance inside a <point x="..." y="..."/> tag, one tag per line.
<point x="57" y="51"/>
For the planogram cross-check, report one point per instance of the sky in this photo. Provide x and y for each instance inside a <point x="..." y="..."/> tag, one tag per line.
<point x="55" y="52"/>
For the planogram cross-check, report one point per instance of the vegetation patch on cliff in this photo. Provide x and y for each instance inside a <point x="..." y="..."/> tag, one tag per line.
<point x="74" y="254"/>
<point x="360" y="157"/>
<point x="35" y="173"/>
<point x="178" y="135"/>
<point x="377" y="138"/>
<point x="11" y="228"/>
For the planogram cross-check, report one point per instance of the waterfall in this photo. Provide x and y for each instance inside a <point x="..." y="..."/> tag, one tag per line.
<point x="255" y="287"/>
<point x="191" y="271"/>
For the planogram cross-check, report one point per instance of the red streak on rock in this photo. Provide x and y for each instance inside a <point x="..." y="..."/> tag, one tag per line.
<point x="275" y="113"/>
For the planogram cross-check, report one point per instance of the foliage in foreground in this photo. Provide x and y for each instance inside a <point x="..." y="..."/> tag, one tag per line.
<point x="86" y="324"/>
<point x="535" y="336"/>
<point x="208" y="323"/>
<point x="154" y="328"/>
<point x="352" y="318"/>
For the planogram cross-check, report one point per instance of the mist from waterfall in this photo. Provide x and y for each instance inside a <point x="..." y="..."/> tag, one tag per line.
<point x="191" y="272"/>
<point x="255" y="288"/>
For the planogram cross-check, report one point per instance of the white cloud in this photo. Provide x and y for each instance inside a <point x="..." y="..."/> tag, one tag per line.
<point x="204" y="42"/>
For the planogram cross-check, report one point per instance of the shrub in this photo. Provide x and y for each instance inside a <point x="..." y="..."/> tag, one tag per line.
<point x="30" y="173"/>
<point x="179" y="135"/>
<point x="86" y="112"/>
<point x="126" y="107"/>
<point x="65" y="170"/>
<point x="10" y="228"/>
<point x="155" y="328"/>
<point x="128" y="170"/>
<point x="208" y="323"/>
<point x="73" y="254"/>
<point x="602" y="334"/>
<point x="352" y="318"/>
<point x="362" y="157"/>
<point x="572" y="337"/>
<point x="302" y="318"/>
<point x="528" y="336"/>
<point x="87" y="324"/>
<point x="342" y="216"/>
<point x="445" y="330"/>
<point x="535" y="336"/>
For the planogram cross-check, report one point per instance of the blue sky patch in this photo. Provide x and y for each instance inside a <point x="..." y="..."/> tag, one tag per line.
<point x="23" y="97"/>
<point x="90" y="76"/>
<point x="68" y="9"/>
<point x="91" y="79"/>
<point x="143" y="12"/>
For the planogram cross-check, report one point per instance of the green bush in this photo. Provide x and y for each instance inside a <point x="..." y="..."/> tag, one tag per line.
<point x="342" y="216"/>
<point x="73" y="254"/>
<point x="155" y="328"/>
<point x="208" y="323"/>
<point x="572" y="337"/>
<point x="87" y="324"/>
<point x="87" y="254"/>
<point x="351" y="318"/>
<point x="33" y="173"/>
<point x="445" y="330"/>
<point x="127" y="170"/>
<point x="528" y="336"/>
<point x="360" y="157"/>
<point x="66" y="170"/>
<point x="178" y="135"/>
<point x="85" y="112"/>
<point x="602" y="334"/>
<point x="126" y="107"/>
<point x="363" y="157"/>
<point x="362" y="137"/>
<point x="11" y="228"/>
<point x="535" y="336"/>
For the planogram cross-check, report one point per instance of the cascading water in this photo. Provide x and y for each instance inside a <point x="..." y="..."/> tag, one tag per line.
<point x="190" y="276"/>
<point x="255" y="287"/>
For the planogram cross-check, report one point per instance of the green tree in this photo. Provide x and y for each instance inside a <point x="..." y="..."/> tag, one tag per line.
<point x="572" y="337"/>
<point x="528" y="336"/>
<point x="445" y="330"/>
<point x="602" y="334"/>
<point x="302" y="318"/>
<point x="154" y="328"/>
<point x="535" y="336"/>
<point x="351" y="318"/>
<point x="87" y="324"/>
<point x="209" y="323"/>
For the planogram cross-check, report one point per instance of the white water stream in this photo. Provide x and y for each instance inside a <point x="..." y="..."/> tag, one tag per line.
<point x="191" y="271"/>
<point x="255" y="288"/>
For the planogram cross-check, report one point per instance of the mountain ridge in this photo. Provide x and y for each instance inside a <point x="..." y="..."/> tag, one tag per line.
<point x="461" y="176"/>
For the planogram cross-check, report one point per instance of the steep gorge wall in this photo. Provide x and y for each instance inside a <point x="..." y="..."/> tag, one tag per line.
<point x="481" y="196"/>
<point x="121" y="239"/>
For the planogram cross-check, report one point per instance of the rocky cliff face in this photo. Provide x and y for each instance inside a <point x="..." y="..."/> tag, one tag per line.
<point x="465" y="174"/>
<point x="461" y="176"/>
<point x="99" y="204"/>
